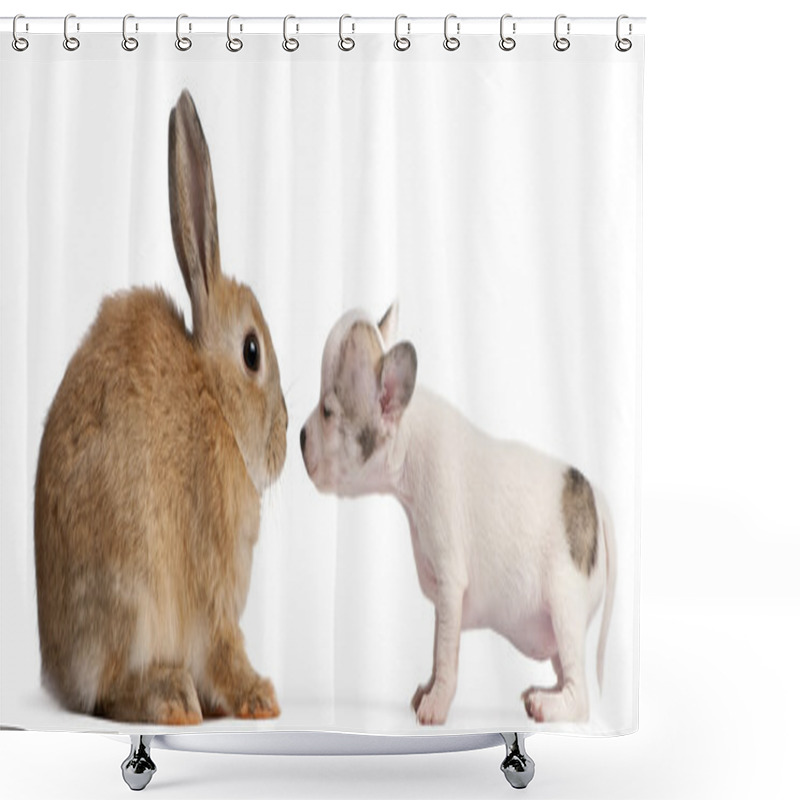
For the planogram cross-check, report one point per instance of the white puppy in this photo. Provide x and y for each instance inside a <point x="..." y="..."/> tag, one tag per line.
<point x="504" y="537"/>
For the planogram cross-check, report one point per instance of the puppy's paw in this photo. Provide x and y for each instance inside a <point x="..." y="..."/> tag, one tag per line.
<point x="433" y="707"/>
<point x="533" y="704"/>
<point x="555" y="706"/>
<point x="422" y="690"/>
<point x="259" y="702"/>
<point x="532" y="690"/>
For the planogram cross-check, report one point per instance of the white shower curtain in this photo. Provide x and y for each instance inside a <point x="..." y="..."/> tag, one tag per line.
<point x="496" y="196"/>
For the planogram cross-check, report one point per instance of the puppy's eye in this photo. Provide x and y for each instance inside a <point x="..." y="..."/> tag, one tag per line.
<point x="251" y="353"/>
<point x="326" y="412"/>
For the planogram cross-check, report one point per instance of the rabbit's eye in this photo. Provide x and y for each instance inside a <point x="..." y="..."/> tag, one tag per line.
<point x="250" y="352"/>
<point x="326" y="412"/>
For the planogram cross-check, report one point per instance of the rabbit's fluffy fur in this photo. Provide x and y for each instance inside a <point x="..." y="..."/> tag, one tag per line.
<point x="155" y="453"/>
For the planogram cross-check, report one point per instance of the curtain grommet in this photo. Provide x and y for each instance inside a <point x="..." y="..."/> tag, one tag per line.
<point x="451" y="43"/>
<point x="183" y="43"/>
<point x="561" y="43"/>
<point x="507" y="43"/>
<point x="346" y="43"/>
<point x="71" y="43"/>
<point x="401" y="43"/>
<point x="129" y="43"/>
<point x="233" y="44"/>
<point x="623" y="44"/>
<point x="19" y="43"/>
<point x="289" y="44"/>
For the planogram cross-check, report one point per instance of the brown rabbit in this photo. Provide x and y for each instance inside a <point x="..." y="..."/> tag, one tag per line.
<point x="155" y="453"/>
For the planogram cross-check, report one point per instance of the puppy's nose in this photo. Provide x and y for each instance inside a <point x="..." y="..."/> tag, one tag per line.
<point x="303" y="440"/>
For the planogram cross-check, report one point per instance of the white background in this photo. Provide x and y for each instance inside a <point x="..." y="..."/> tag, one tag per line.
<point x="720" y="604"/>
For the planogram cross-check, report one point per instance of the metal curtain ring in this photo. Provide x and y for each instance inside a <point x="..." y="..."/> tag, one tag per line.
<point x="289" y="44"/>
<point x="233" y="44"/>
<point x="71" y="43"/>
<point x="450" y="42"/>
<point x="181" y="42"/>
<point x="623" y="45"/>
<point x="129" y="43"/>
<point x="19" y="43"/>
<point x="401" y="43"/>
<point x="346" y="43"/>
<point x="561" y="43"/>
<point x="506" y="42"/>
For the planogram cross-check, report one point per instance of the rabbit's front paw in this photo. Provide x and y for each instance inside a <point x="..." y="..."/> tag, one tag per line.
<point x="168" y="694"/>
<point x="259" y="702"/>
<point x="156" y="694"/>
<point x="173" y="698"/>
<point x="175" y="712"/>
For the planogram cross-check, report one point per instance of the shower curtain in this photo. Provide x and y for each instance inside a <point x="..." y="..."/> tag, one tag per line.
<point x="491" y="195"/>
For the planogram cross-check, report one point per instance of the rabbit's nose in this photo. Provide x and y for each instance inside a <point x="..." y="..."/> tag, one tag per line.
<point x="303" y="440"/>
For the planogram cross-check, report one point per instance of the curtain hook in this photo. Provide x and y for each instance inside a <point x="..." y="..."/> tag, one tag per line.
<point x="401" y="43"/>
<point x="623" y="45"/>
<point x="233" y="44"/>
<point x="289" y="45"/>
<point x="561" y="43"/>
<point x="19" y="43"/>
<point x="506" y="42"/>
<point x="346" y="43"/>
<point x="181" y="42"/>
<point x="451" y="42"/>
<point x="71" y="43"/>
<point x="129" y="43"/>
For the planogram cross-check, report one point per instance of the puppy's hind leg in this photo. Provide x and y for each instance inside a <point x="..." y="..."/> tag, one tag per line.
<point x="569" y="701"/>
<point x="559" y="685"/>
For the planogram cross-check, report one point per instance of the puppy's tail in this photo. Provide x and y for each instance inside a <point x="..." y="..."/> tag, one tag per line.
<point x="611" y="581"/>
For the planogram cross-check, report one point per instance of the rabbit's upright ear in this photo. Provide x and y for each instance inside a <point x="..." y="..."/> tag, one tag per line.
<point x="193" y="207"/>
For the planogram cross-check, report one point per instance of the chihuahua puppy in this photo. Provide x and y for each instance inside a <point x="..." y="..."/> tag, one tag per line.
<point x="503" y="536"/>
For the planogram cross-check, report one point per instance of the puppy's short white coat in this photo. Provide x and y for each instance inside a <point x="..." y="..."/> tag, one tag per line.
<point x="504" y="537"/>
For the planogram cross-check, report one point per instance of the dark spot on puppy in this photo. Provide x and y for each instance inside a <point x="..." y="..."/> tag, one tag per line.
<point x="367" y="440"/>
<point x="580" y="520"/>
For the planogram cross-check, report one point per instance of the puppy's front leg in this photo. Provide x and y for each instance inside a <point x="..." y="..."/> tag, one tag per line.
<point x="434" y="703"/>
<point x="424" y="688"/>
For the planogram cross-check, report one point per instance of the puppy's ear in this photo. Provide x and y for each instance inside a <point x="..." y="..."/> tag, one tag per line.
<point x="388" y="325"/>
<point x="398" y="376"/>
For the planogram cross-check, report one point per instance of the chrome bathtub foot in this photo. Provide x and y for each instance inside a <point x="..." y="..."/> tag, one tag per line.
<point x="138" y="768"/>
<point x="518" y="766"/>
